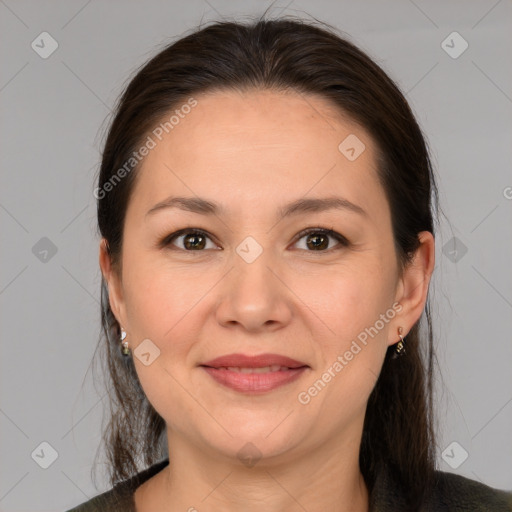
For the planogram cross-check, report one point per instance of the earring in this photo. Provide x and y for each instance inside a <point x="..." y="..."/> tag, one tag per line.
<point x="400" y="346"/>
<point x="124" y="343"/>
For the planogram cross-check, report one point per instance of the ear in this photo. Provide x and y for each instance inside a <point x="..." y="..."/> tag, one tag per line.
<point x="114" y="284"/>
<point x="413" y="285"/>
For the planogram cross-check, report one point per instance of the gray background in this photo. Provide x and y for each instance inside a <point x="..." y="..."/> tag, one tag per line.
<point x="52" y="113"/>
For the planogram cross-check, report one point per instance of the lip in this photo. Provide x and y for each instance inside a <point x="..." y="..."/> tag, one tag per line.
<point x="254" y="383"/>
<point x="259" y="361"/>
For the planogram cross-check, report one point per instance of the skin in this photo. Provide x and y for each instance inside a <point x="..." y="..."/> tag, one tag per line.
<point x="254" y="152"/>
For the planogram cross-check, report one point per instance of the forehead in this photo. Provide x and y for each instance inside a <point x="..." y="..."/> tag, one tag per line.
<point x="254" y="145"/>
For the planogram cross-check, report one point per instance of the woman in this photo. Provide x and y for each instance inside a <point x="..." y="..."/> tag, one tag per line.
<point x="267" y="206"/>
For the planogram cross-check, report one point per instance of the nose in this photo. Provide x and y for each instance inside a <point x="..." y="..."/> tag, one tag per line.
<point x="254" y="297"/>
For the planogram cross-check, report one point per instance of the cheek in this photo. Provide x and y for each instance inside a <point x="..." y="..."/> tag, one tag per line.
<point x="161" y="298"/>
<point x="354" y="307"/>
<point x="164" y="305"/>
<point x="351" y="353"/>
<point x="346" y="300"/>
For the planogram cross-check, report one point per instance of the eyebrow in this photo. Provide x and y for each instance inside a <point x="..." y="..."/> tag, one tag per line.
<point x="300" y="206"/>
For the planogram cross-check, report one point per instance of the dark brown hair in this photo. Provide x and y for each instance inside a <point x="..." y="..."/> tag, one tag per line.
<point x="281" y="54"/>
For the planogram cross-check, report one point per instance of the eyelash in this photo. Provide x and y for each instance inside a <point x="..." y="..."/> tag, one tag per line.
<point x="343" y="242"/>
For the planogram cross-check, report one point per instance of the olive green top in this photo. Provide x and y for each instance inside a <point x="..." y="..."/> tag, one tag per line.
<point x="452" y="493"/>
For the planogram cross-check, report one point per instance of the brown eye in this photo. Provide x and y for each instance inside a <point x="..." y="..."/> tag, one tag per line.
<point x="191" y="240"/>
<point x="194" y="241"/>
<point x="317" y="239"/>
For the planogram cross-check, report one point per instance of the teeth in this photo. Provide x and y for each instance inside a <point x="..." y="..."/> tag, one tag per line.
<point x="264" y="369"/>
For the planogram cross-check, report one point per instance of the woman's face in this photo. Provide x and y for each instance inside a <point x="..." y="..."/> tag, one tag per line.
<point x="252" y="284"/>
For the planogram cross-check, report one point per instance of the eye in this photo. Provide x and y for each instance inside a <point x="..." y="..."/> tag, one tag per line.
<point x="317" y="239"/>
<point x="193" y="239"/>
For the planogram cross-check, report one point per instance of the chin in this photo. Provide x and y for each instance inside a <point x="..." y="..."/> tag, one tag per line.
<point x="260" y="441"/>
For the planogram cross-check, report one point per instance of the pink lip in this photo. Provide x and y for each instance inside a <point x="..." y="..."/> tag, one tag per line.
<point x="254" y="382"/>
<point x="243" y="361"/>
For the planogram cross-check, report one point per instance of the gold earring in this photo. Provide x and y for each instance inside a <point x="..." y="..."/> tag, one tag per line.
<point x="124" y="343"/>
<point x="400" y="346"/>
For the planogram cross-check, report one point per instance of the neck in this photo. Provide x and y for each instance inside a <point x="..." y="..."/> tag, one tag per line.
<point x="327" y="478"/>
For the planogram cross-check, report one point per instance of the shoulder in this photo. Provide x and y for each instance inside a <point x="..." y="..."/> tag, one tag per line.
<point x="456" y="492"/>
<point x="108" y="501"/>
<point x="449" y="492"/>
<point x="120" y="497"/>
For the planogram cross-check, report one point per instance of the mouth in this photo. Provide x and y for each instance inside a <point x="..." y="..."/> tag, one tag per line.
<point x="254" y="374"/>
